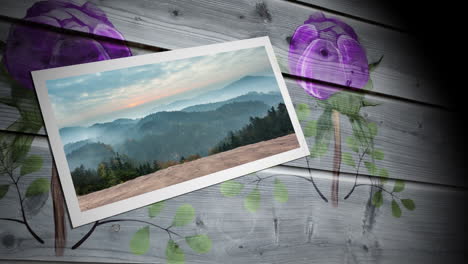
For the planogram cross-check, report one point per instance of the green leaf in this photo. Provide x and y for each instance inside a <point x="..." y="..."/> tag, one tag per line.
<point x="318" y="150"/>
<point x="311" y="129"/>
<point x="396" y="211"/>
<point x="377" y="199"/>
<point x="174" y="254"/>
<point x="252" y="201"/>
<point x="302" y="111"/>
<point x="372" y="129"/>
<point x="408" y="204"/>
<point x="361" y="131"/>
<point x="8" y="101"/>
<point x="3" y="190"/>
<point x="140" y="242"/>
<point x="324" y="134"/>
<point x="21" y="147"/>
<point x="369" y="85"/>
<point x="155" y="209"/>
<point x="38" y="186"/>
<point x="346" y="103"/>
<point x="31" y="164"/>
<point x="399" y="186"/>
<point x="25" y="101"/>
<point x="378" y="154"/>
<point x="352" y="143"/>
<point x="371" y="168"/>
<point x="383" y="173"/>
<point x="199" y="243"/>
<point x="348" y="159"/>
<point x="184" y="215"/>
<point x="373" y="65"/>
<point x="366" y="103"/>
<point x="280" y="193"/>
<point x="231" y="188"/>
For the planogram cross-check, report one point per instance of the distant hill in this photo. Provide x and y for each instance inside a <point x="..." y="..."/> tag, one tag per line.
<point x="245" y="85"/>
<point x="270" y="99"/>
<point x="70" y="147"/>
<point x="171" y="135"/>
<point x="112" y="131"/>
<point x="75" y="134"/>
<point x="89" y="155"/>
<point x="161" y="136"/>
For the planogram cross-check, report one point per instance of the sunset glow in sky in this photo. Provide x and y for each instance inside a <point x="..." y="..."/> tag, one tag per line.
<point x="133" y="92"/>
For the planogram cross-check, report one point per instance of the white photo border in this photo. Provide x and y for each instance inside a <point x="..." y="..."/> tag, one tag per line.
<point x="79" y="217"/>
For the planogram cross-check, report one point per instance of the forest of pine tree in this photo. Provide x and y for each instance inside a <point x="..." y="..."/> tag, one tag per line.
<point x="116" y="170"/>
<point x="275" y="124"/>
<point x="120" y="168"/>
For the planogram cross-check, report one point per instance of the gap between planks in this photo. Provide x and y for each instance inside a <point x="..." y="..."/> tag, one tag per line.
<point x="155" y="49"/>
<point x="349" y="16"/>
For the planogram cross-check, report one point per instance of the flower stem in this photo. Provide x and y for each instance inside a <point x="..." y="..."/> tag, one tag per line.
<point x="59" y="212"/>
<point x="336" y="158"/>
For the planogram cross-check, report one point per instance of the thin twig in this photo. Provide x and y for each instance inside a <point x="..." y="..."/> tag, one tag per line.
<point x="313" y="182"/>
<point x="23" y="214"/>
<point x="12" y="220"/>
<point x="357" y="174"/>
<point x="97" y="223"/>
<point x="379" y="187"/>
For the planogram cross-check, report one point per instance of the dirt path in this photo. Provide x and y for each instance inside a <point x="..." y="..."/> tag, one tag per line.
<point x="187" y="171"/>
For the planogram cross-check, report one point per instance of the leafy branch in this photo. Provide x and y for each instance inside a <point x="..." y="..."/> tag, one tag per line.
<point x="361" y="142"/>
<point x="15" y="147"/>
<point x="13" y="156"/>
<point x="234" y="188"/>
<point x="140" y="242"/>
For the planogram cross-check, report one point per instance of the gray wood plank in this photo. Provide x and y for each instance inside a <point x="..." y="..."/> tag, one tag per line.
<point x="305" y="229"/>
<point x="178" y="24"/>
<point x="376" y="11"/>
<point x="418" y="141"/>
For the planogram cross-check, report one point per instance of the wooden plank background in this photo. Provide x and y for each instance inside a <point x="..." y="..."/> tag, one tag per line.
<point x="178" y="24"/>
<point x="416" y="130"/>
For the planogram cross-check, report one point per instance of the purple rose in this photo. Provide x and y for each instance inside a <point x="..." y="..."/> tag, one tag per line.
<point x="327" y="49"/>
<point x="34" y="48"/>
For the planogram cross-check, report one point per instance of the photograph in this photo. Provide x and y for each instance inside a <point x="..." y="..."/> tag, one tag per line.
<point x="138" y="129"/>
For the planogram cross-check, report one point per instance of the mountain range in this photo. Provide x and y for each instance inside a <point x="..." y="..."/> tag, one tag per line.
<point x="247" y="84"/>
<point x="165" y="135"/>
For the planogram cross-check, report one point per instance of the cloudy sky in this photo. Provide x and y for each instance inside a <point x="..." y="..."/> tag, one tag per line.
<point x="133" y="92"/>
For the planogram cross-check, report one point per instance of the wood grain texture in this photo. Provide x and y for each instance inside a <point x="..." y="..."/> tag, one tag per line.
<point x="305" y="229"/>
<point x="371" y="11"/>
<point x="419" y="141"/>
<point x="178" y="24"/>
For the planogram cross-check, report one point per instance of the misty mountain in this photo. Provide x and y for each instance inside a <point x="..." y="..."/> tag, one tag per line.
<point x="270" y="99"/>
<point x="247" y="84"/>
<point x="70" y="147"/>
<point x="162" y="136"/>
<point x="89" y="155"/>
<point x="75" y="134"/>
<point x="171" y="135"/>
<point x="110" y="130"/>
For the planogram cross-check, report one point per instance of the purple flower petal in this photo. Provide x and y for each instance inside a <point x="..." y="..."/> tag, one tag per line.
<point x="327" y="49"/>
<point x="355" y="62"/>
<point x="28" y="49"/>
<point x="321" y="61"/>
<point x="75" y="51"/>
<point x="299" y="42"/>
<point x="31" y="48"/>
